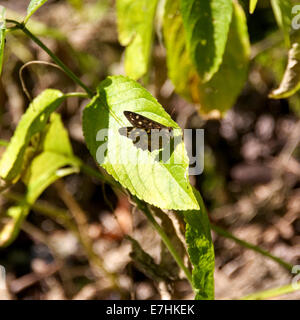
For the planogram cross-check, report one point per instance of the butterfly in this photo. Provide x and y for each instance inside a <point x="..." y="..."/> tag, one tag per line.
<point x="146" y="133"/>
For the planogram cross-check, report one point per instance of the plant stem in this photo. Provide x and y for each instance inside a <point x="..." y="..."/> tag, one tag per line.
<point x="271" y="293"/>
<point x="143" y="207"/>
<point x="69" y="72"/>
<point x="76" y="94"/>
<point x="62" y="217"/>
<point x="59" y="215"/>
<point x="248" y="245"/>
<point x="81" y="221"/>
<point x="97" y="174"/>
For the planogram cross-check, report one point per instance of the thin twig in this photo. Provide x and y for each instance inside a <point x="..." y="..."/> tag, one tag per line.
<point x="62" y="217"/>
<point x="68" y="71"/>
<point x="31" y="278"/>
<point x="253" y="247"/>
<point x="82" y="224"/>
<point x="29" y="64"/>
<point x="272" y="293"/>
<point x="144" y="208"/>
<point x="59" y="215"/>
<point x="290" y="146"/>
<point x="42" y="237"/>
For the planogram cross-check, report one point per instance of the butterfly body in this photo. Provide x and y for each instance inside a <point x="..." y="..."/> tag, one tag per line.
<point x="145" y="133"/>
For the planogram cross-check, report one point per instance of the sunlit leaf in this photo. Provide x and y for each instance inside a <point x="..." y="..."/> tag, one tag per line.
<point x="282" y="10"/>
<point x="56" y="153"/>
<point x="206" y="23"/>
<point x="32" y="122"/>
<point x="222" y="90"/>
<point x="135" y="26"/>
<point x="11" y="228"/>
<point x="252" y="5"/>
<point x="33" y="6"/>
<point x="2" y="35"/>
<point x="180" y="68"/>
<point x="54" y="160"/>
<point x="224" y="87"/>
<point x="201" y="250"/>
<point x="163" y="184"/>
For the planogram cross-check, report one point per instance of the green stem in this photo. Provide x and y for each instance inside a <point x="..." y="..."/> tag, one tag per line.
<point x="248" y="245"/>
<point x="143" y="207"/>
<point x="271" y="293"/>
<point x="61" y="216"/>
<point x="97" y="174"/>
<point x="76" y="94"/>
<point x="88" y="170"/>
<point x="70" y="73"/>
<point x="92" y="172"/>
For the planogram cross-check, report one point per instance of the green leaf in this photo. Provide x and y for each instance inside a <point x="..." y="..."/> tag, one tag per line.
<point x="11" y="228"/>
<point x="290" y="82"/>
<point x="163" y="184"/>
<point x="201" y="250"/>
<point x="56" y="139"/>
<point x="2" y="35"/>
<point x="222" y="90"/>
<point x="180" y="68"/>
<point x="54" y="161"/>
<point x="252" y="5"/>
<point x="167" y="261"/>
<point x="146" y="264"/>
<point x="135" y="26"/>
<point x="206" y="23"/>
<point x="56" y="153"/>
<point x="282" y="10"/>
<point x="33" y="121"/>
<point x="33" y="6"/>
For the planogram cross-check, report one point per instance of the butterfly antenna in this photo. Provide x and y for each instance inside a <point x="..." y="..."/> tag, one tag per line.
<point x="172" y="112"/>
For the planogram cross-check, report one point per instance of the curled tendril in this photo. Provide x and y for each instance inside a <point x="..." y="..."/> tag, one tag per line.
<point x="28" y="64"/>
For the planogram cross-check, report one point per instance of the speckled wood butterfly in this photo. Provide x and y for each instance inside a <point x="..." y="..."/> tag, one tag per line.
<point x="146" y="133"/>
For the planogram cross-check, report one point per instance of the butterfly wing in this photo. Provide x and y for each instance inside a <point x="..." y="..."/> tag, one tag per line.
<point x="145" y="132"/>
<point x="142" y="122"/>
<point x="139" y="136"/>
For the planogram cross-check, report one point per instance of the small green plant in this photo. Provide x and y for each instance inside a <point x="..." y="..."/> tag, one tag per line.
<point x="208" y="54"/>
